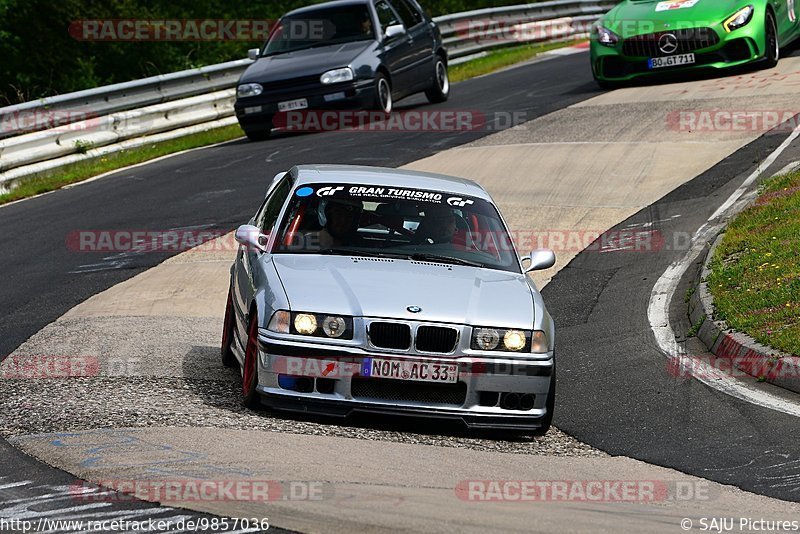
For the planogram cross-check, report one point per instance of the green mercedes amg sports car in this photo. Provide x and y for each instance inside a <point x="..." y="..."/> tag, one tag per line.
<point x="643" y="37"/>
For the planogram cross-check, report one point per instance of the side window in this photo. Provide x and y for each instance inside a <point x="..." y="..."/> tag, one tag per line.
<point x="273" y="207"/>
<point x="386" y="15"/>
<point x="411" y="17"/>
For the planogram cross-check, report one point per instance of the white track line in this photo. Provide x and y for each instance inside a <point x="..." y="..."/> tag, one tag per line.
<point x="789" y="168"/>
<point x="664" y="289"/>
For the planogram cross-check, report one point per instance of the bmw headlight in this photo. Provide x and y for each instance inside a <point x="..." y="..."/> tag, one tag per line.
<point x="509" y="340"/>
<point x="305" y="323"/>
<point x="337" y="76"/>
<point x="739" y="19"/>
<point x="249" y="89"/>
<point x="312" y="324"/>
<point x="606" y="37"/>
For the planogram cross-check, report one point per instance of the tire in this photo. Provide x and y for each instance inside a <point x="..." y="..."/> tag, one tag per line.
<point x="550" y="404"/>
<point x="773" y="51"/>
<point x="250" y="397"/>
<point x="383" y="94"/>
<point x="258" y="135"/>
<point x="605" y="84"/>
<point x="228" y="331"/>
<point x="440" y="90"/>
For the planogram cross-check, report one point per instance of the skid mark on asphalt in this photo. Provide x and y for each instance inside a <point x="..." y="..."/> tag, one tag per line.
<point x="23" y="500"/>
<point x="101" y="449"/>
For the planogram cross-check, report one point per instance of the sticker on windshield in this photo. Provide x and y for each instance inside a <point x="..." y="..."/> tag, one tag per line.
<point x="329" y="191"/>
<point x="304" y="192"/>
<point x="459" y="202"/>
<point x="676" y="4"/>
<point x="380" y="193"/>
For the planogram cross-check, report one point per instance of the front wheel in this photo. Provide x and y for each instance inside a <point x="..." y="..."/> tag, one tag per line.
<point x="228" y="332"/>
<point x="440" y="90"/>
<point x="773" y="52"/>
<point x="250" y="395"/>
<point x="258" y="135"/>
<point x="550" y="404"/>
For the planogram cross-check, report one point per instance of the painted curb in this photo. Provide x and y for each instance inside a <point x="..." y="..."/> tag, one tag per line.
<point x="741" y="351"/>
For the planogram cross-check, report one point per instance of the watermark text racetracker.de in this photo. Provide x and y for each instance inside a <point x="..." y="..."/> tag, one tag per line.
<point x="605" y="491"/>
<point x="58" y="366"/>
<point x="560" y="240"/>
<point x="139" y="30"/>
<point x="453" y="120"/>
<point x="733" y="120"/>
<point x="197" y="490"/>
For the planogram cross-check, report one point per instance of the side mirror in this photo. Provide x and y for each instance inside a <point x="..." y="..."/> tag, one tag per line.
<point x="394" y="31"/>
<point x="540" y="259"/>
<point x="253" y="53"/>
<point x="251" y="237"/>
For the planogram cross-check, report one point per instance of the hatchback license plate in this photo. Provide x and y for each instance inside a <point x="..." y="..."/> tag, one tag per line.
<point x="291" y="105"/>
<point x="671" y="61"/>
<point x="408" y="370"/>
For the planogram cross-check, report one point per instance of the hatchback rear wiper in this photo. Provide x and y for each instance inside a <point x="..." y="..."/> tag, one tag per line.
<point x="425" y="256"/>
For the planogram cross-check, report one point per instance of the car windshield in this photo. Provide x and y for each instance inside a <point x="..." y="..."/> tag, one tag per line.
<point x="321" y="27"/>
<point x="394" y="222"/>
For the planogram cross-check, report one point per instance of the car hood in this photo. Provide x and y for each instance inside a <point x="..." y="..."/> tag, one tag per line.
<point x="703" y="13"/>
<point x="308" y="62"/>
<point x="377" y="287"/>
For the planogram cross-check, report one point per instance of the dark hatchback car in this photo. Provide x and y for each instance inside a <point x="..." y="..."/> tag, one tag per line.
<point x="348" y="54"/>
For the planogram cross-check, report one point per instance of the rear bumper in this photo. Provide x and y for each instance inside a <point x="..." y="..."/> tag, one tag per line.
<point x="331" y="383"/>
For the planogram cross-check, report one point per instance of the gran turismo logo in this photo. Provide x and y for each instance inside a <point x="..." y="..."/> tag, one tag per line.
<point x="329" y="191"/>
<point x="459" y="202"/>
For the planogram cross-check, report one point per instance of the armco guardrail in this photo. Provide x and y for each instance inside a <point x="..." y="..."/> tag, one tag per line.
<point x="56" y="111"/>
<point x="472" y="32"/>
<point x="43" y="134"/>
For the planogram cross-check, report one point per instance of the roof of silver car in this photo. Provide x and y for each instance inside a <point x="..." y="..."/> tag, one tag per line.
<point x="361" y="175"/>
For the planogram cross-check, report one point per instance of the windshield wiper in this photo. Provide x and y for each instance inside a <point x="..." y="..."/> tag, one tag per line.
<point x="425" y="256"/>
<point x="346" y="251"/>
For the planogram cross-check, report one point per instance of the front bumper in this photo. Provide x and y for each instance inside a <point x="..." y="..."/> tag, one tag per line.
<point x="258" y="112"/>
<point x="733" y="49"/>
<point x="330" y="383"/>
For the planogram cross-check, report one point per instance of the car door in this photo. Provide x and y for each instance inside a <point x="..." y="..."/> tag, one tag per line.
<point x="397" y="52"/>
<point x="245" y="265"/>
<point x="420" y="36"/>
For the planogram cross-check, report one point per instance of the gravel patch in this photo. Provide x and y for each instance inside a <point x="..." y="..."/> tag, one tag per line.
<point x="171" y="376"/>
<point x="45" y="406"/>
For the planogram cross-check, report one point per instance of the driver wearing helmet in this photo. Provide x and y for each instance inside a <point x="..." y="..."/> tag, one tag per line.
<point x="339" y="220"/>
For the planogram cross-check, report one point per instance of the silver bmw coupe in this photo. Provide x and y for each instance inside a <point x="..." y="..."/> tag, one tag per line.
<point x="362" y="289"/>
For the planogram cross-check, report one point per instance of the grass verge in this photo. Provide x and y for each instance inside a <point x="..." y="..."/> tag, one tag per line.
<point x="755" y="271"/>
<point x="501" y="58"/>
<point x="77" y="172"/>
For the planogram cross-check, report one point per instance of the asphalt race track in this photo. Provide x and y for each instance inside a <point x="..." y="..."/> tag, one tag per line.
<point x="616" y="391"/>
<point x="640" y="408"/>
<point x="218" y="188"/>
